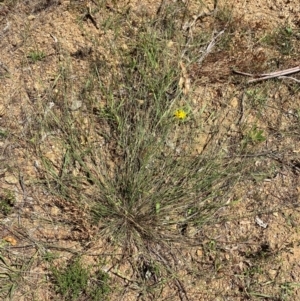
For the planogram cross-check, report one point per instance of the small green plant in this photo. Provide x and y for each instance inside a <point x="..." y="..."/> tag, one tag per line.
<point x="282" y="39"/>
<point x="71" y="281"/>
<point x="36" y="55"/>
<point x="75" y="280"/>
<point x="7" y="202"/>
<point x="257" y="96"/>
<point x="49" y="256"/>
<point x="287" y="289"/>
<point x="3" y="134"/>
<point x="100" y="287"/>
<point x="254" y="136"/>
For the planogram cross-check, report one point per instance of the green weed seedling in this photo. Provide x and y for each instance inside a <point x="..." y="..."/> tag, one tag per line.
<point x="74" y="281"/>
<point x="254" y="136"/>
<point x="71" y="281"/>
<point x="257" y="96"/>
<point x="36" y="55"/>
<point x="282" y="39"/>
<point x="7" y="202"/>
<point x="49" y="257"/>
<point x="287" y="289"/>
<point x="3" y="134"/>
<point x="100" y="287"/>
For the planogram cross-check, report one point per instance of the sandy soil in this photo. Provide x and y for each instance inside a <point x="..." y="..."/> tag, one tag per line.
<point x="60" y="30"/>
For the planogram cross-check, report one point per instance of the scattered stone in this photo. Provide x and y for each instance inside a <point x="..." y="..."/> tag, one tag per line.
<point x="76" y="104"/>
<point x="273" y="273"/>
<point x="199" y="253"/>
<point x="54" y="211"/>
<point x="11" y="179"/>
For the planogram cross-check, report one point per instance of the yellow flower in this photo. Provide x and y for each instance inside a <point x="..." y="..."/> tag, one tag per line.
<point x="180" y="114"/>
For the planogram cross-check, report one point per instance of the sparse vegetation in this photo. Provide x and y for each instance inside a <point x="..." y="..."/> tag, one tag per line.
<point x="75" y="282"/>
<point x="7" y="202"/>
<point x="145" y="163"/>
<point x="283" y="38"/>
<point x="35" y="56"/>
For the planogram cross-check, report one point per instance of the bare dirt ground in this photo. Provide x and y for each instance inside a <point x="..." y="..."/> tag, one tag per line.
<point x="255" y="253"/>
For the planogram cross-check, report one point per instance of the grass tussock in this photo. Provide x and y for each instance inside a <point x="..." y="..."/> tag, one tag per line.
<point x="130" y="155"/>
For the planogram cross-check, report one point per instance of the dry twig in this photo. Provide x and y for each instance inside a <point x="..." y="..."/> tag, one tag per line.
<point x="264" y="76"/>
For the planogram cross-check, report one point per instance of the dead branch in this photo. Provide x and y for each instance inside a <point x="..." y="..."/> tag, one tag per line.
<point x="264" y="76"/>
